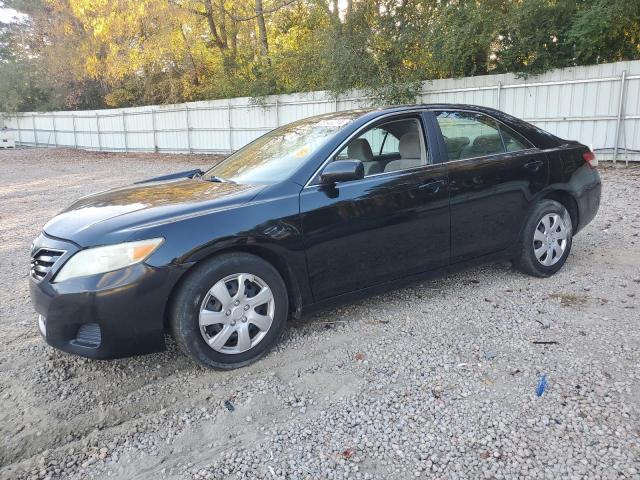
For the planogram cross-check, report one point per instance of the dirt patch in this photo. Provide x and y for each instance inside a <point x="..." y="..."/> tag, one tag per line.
<point x="570" y="299"/>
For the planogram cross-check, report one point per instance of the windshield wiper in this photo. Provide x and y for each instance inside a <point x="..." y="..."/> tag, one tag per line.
<point x="199" y="175"/>
<point x="214" y="178"/>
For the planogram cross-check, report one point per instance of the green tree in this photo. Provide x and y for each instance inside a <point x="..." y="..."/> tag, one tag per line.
<point x="93" y="53"/>
<point x="605" y="31"/>
<point x="23" y="85"/>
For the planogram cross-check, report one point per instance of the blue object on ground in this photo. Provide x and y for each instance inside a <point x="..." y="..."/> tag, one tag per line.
<point x="542" y="385"/>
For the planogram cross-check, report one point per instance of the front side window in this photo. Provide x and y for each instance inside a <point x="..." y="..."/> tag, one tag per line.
<point x="471" y="134"/>
<point x="391" y="146"/>
<point x="377" y="138"/>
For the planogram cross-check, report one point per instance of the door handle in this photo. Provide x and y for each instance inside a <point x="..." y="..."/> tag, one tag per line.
<point x="432" y="185"/>
<point x="534" y="165"/>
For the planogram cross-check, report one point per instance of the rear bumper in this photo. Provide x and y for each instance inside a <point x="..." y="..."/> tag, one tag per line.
<point x="589" y="201"/>
<point x="113" y="315"/>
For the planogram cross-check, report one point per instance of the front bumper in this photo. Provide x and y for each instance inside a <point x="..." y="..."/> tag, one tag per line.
<point x="111" y="315"/>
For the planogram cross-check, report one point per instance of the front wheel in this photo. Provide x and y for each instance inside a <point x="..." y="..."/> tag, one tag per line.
<point x="229" y="311"/>
<point x="546" y="240"/>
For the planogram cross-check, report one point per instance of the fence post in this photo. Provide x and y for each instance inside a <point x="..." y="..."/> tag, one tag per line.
<point x="124" y="131"/>
<point x="230" y="129"/>
<point x="335" y="103"/>
<point x="499" y="88"/>
<point x="186" y="107"/>
<point x="75" y="135"/>
<point x="277" y="113"/>
<point x="98" y="130"/>
<point x="19" y="129"/>
<point x="153" y="127"/>
<point x="619" y="120"/>
<point x="35" y="132"/>
<point x="55" y="133"/>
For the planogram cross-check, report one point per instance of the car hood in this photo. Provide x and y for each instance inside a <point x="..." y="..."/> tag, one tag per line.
<point x="113" y="215"/>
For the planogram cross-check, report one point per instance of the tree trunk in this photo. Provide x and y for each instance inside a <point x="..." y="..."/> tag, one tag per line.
<point x="195" y="77"/>
<point x="223" y="25"/>
<point x="262" y="29"/>
<point x="220" y="39"/>
<point x="211" y="22"/>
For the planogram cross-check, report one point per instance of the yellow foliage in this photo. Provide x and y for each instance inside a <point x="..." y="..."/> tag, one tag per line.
<point x="92" y="65"/>
<point x="67" y="29"/>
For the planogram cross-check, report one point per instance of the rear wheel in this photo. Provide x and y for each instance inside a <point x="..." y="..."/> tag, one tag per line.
<point x="546" y="240"/>
<point x="229" y="311"/>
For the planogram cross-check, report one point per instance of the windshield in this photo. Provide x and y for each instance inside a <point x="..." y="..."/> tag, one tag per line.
<point x="274" y="156"/>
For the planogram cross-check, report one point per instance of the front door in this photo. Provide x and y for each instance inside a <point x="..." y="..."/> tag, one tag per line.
<point x="390" y="224"/>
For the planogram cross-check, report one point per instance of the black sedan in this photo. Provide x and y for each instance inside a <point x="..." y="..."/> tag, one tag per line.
<point x="314" y="213"/>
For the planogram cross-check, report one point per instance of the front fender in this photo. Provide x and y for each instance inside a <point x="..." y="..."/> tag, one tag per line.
<point x="269" y="227"/>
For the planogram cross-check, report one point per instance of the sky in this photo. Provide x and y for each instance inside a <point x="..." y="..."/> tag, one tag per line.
<point x="9" y="15"/>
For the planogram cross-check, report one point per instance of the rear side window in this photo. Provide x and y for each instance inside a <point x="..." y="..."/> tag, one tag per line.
<point x="471" y="134"/>
<point x="513" y="141"/>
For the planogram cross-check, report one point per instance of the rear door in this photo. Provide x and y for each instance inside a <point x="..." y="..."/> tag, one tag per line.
<point x="494" y="173"/>
<point x="388" y="225"/>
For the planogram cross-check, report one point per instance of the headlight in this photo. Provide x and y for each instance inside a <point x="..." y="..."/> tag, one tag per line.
<point x="106" y="259"/>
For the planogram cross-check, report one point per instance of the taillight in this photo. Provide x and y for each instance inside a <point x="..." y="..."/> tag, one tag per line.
<point x="590" y="158"/>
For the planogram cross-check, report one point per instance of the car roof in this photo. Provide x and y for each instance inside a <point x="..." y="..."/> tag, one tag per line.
<point x="539" y="137"/>
<point x="429" y="106"/>
<point x="360" y="115"/>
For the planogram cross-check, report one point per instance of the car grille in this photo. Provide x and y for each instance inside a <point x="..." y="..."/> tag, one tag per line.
<point x="43" y="260"/>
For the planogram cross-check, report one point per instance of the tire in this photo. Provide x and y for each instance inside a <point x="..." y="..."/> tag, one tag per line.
<point x="202" y="316"/>
<point x="534" y="257"/>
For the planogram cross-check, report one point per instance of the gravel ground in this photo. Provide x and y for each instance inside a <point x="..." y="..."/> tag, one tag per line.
<point x="433" y="381"/>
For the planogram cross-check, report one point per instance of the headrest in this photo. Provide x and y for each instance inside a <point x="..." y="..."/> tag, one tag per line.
<point x="359" y="149"/>
<point x="409" y="145"/>
<point x="456" y="143"/>
<point x="487" y="143"/>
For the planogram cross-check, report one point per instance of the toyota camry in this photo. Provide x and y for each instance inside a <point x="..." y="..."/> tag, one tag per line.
<point x="314" y="213"/>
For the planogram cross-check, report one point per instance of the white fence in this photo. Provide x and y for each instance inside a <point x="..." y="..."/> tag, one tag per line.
<point x="598" y="105"/>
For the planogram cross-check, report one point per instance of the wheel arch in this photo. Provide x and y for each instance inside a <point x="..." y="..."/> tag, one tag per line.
<point x="564" y="197"/>
<point x="268" y="255"/>
<point x="567" y="201"/>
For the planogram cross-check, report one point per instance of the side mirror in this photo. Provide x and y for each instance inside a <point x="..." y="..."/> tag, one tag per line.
<point x="342" y="171"/>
